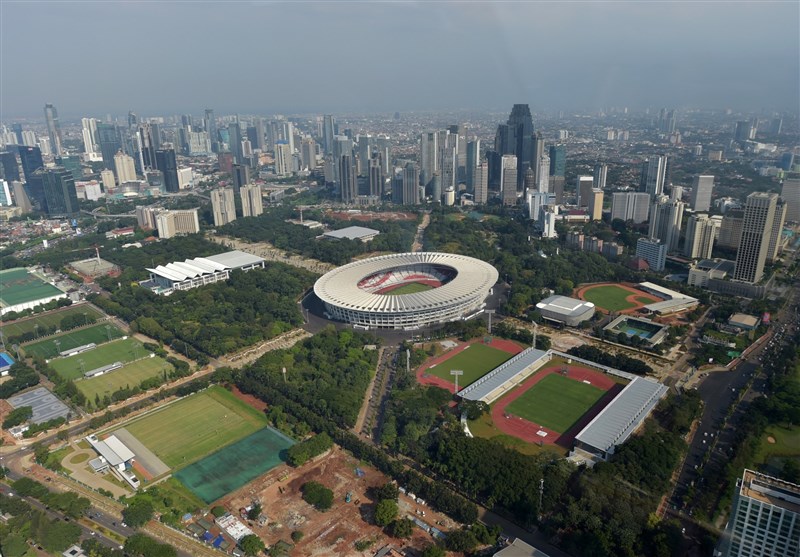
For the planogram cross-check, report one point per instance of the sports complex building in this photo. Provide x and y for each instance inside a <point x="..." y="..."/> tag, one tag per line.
<point x="191" y="273"/>
<point x="569" y="311"/>
<point x="611" y="427"/>
<point x="406" y="290"/>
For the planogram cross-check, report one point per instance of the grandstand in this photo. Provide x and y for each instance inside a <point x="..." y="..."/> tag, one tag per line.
<point x="428" y="275"/>
<point x="673" y="301"/>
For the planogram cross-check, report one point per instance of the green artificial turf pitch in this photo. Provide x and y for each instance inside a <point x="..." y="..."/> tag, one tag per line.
<point x="475" y="361"/>
<point x="126" y="350"/>
<point x="129" y="375"/>
<point x="609" y="297"/>
<point x="411" y="288"/>
<point x="197" y="425"/>
<point x="556" y="402"/>
<point x="47" y="320"/>
<point x="97" y="334"/>
<point x="18" y="286"/>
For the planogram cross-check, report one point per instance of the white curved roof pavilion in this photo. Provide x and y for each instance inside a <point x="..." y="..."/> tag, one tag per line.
<point x="357" y="293"/>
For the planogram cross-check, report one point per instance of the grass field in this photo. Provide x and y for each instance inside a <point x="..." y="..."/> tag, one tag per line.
<point x="47" y="320"/>
<point x="127" y="376"/>
<point x="476" y="361"/>
<point x="411" y="288"/>
<point x="189" y="429"/>
<point x="484" y="427"/>
<point x="97" y="334"/>
<point x="609" y="297"/>
<point x="556" y="402"/>
<point x="19" y="286"/>
<point x="116" y="351"/>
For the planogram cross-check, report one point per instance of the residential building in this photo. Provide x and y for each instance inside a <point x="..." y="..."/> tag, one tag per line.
<point x="730" y="231"/>
<point x="596" y="204"/>
<point x="776" y="238"/>
<point x="790" y="193"/>
<point x="508" y="179"/>
<point x="666" y="218"/>
<point x="600" y="175"/>
<point x="481" y="184"/>
<point x="177" y="223"/>
<point x="283" y="159"/>
<point x="653" y="251"/>
<point x="124" y="168"/>
<point x="308" y="153"/>
<point x="410" y="185"/>
<point x="700" y="234"/>
<point x="252" y="203"/>
<point x="583" y="191"/>
<point x="702" y="190"/>
<point x="765" y="519"/>
<point x="107" y="179"/>
<point x="375" y="175"/>
<point x="654" y="173"/>
<point x="759" y="212"/>
<point x="223" y="206"/>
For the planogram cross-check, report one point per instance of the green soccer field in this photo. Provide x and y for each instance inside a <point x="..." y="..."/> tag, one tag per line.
<point x="28" y="325"/>
<point x="411" y="288"/>
<point x="610" y="297"/>
<point x="20" y="286"/>
<point x="97" y="334"/>
<point x="126" y="350"/>
<point x="556" y="402"/>
<point x="192" y="428"/>
<point x="128" y="376"/>
<point x="475" y="361"/>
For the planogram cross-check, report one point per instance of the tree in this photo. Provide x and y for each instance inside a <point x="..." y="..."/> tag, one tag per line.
<point x="251" y="544"/>
<point x="254" y="512"/>
<point x="218" y="511"/>
<point x="297" y="535"/>
<point x="385" y="512"/>
<point x="433" y="551"/>
<point x="387" y="491"/>
<point x="402" y="528"/>
<point x="18" y="416"/>
<point x="318" y="495"/>
<point x="138" y="513"/>
<point x="461" y="540"/>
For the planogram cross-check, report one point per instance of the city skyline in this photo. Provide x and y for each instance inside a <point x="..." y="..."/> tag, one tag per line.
<point x="459" y="56"/>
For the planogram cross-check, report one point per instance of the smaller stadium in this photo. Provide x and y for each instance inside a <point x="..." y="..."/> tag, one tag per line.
<point x="566" y="311"/>
<point x="615" y="298"/>
<point x="21" y="289"/>
<point x="647" y="330"/>
<point x="551" y="398"/>
<point x="473" y="359"/>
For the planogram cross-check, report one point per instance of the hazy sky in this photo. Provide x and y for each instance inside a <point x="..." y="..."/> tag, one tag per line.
<point x="169" y="57"/>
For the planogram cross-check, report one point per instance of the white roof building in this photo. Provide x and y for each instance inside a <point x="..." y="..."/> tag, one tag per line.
<point x="352" y="233"/>
<point x="191" y="273"/>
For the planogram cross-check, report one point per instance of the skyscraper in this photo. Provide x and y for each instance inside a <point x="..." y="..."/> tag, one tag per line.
<point x="666" y="218"/>
<point x="166" y="163"/>
<point x="328" y="133"/>
<point x="210" y="123"/>
<point x="600" y="174"/>
<point x="31" y="159"/>
<point x="765" y="519"/>
<point x="583" y="191"/>
<point x="745" y="131"/>
<point x="8" y="160"/>
<point x="759" y="212"/>
<point x="252" y="204"/>
<point x="375" y="176"/>
<point x="283" y="159"/>
<point x="508" y="179"/>
<point x="428" y="156"/>
<point x="700" y="235"/>
<point x="702" y="190"/>
<point x="60" y="195"/>
<point x="347" y="178"/>
<point x="223" y="206"/>
<point x="654" y="173"/>
<point x="596" y="204"/>
<point x="775" y="244"/>
<point x="448" y="168"/>
<point x="240" y="176"/>
<point x="146" y="146"/>
<point x="308" y="153"/>
<point x="123" y="166"/>
<point x="89" y="131"/>
<point x="410" y="185"/>
<point x="543" y="179"/>
<point x="235" y="144"/>
<point x="21" y="198"/>
<point x="108" y="139"/>
<point x="53" y="129"/>
<point x="473" y="159"/>
<point x="481" y="183"/>
<point x="790" y="193"/>
<point x="630" y="206"/>
<point x="517" y="138"/>
<point x="558" y="160"/>
<point x="652" y="251"/>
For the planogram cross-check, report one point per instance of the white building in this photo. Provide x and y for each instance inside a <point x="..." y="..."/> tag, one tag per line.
<point x="177" y="223"/>
<point x="630" y="206"/>
<point x="191" y="273"/>
<point x="283" y="159"/>
<point x="126" y="171"/>
<point x="107" y="178"/>
<point x="701" y="232"/>
<point x="223" y="206"/>
<point x="185" y="177"/>
<point x="652" y="251"/>
<point x="252" y="202"/>
<point x="702" y="190"/>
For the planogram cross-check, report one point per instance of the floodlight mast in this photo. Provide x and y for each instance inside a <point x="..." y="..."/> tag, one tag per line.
<point x="455" y="373"/>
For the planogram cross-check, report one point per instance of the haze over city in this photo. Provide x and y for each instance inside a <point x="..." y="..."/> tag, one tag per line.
<point x="350" y="56"/>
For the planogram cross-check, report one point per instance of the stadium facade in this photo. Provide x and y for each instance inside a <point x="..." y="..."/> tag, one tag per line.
<point x="569" y="311"/>
<point x="452" y="288"/>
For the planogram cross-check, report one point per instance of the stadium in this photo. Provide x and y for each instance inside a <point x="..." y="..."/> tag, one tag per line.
<point x="406" y="290"/>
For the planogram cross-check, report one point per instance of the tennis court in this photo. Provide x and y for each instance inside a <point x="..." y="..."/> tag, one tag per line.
<point x="51" y="347"/>
<point x="46" y="320"/>
<point x="20" y="286"/>
<point x="230" y="468"/>
<point x="123" y="350"/>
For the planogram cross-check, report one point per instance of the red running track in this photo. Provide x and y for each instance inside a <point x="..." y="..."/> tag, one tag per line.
<point x="529" y="431"/>
<point x="426" y="379"/>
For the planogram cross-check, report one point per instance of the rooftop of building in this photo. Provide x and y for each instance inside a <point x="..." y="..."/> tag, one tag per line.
<point x="352" y="233"/>
<point x="773" y="491"/>
<point x="565" y="305"/>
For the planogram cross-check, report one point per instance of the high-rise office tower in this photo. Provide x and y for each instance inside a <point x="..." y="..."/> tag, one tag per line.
<point x="517" y="138"/>
<point x="146" y="147"/>
<point x="60" y="195"/>
<point x="364" y="147"/>
<point x="166" y="163"/>
<point x="21" y="197"/>
<point x="410" y="185"/>
<point x="124" y="168"/>
<point x="654" y="173"/>
<point x="667" y="121"/>
<point x="448" y="168"/>
<point x="71" y="163"/>
<point x="538" y="153"/>
<point x="630" y="206"/>
<point x="790" y="193"/>
<point x="8" y="160"/>
<point x="342" y="145"/>
<point x="558" y="160"/>
<point x="596" y="204"/>
<point x="308" y="153"/>
<point x="384" y="147"/>
<point x="376" y="176"/>
<point x="260" y="142"/>
<point x="759" y="212"/>
<point x="600" y="175"/>
<point x="666" y="218"/>
<point x="428" y="156"/>
<point x="481" y="183"/>
<point x="107" y="179"/>
<point x="53" y="129"/>
<point x="348" y="182"/>
<point x="473" y="159"/>
<point x="133" y="119"/>
<point x="776" y="231"/>
<point x="543" y="179"/>
<point x="252" y="203"/>
<point x="31" y="159"/>
<point x="210" y="123"/>
<point x="17" y="130"/>
<point x="744" y="131"/>
<point x="653" y="251"/>
<point x="730" y="230"/>
<point x="283" y="159"/>
<point x="225" y="161"/>
<point x="701" y="232"/>
<point x="44" y="145"/>
<point x="508" y="179"/>
<point x="529" y="181"/>
<point x="89" y="131"/>
<point x="583" y="191"/>
<point x="240" y="176"/>
<point x="5" y="194"/>
<point x="764" y="520"/>
<point x="702" y="190"/>
<point x="223" y="206"/>
<point x="108" y="139"/>
<point x="235" y="144"/>
<point x="328" y="133"/>
<point x="775" y="126"/>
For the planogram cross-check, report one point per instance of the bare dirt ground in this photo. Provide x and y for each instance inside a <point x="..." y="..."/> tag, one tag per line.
<point x="335" y="531"/>
<point x="368" y="216"/>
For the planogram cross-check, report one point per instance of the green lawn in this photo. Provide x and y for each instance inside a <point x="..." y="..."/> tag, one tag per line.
<point x="28" y="324"/>
<point x="191" y="428"/>
<point x="556" y="402"/>
<point x="484" y="427"/>
<point x="609" y="297"/>
<point x="411" y="288"/>
<point x="125" y="350"/>
<point x="96" y="333"/>
<point x="476" y="361"/>
<point x="127" y="376"/>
